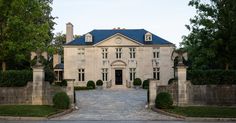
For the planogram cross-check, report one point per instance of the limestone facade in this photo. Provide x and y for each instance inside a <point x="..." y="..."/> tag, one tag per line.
<point x="118" y="57"/>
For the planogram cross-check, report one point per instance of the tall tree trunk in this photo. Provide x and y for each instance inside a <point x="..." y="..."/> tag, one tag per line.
<point x="227" y="66"/>
<point x="4" y="66"/>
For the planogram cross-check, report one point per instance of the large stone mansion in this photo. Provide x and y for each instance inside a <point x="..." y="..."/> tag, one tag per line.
<point x="117" y="56"/>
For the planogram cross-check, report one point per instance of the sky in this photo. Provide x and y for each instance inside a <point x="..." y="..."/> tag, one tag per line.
<point x="165" y="18"/>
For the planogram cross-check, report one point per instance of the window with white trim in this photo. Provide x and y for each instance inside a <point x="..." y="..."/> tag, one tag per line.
<point x="81" y="75"/>
<point x="132" y="72"/>
<point x="104" y="53"/>
<point x="148" y="36"/>
<point x="118" y="53"/>
<point x="156" y="73"/>
<point x="105" y="74"/>
<point x="88" y="38"/>
<point x="132" y="53"/>
<point x="155" y="53"/>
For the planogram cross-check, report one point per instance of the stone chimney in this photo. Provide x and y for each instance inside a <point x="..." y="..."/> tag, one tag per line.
<point x="69" y="32"/>
<point x="56" y="59"/>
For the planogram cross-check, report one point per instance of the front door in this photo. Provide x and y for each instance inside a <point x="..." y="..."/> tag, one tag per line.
<point x="118" y="74"/>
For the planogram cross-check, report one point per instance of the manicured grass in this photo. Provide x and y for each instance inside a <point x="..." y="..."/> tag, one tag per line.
<point x="82" y="88"/>
<point x="205" y="111"/>
<point x="27" y="110"/>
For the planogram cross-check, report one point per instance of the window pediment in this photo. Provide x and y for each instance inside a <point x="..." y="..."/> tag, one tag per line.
<point x="118" y="63"/>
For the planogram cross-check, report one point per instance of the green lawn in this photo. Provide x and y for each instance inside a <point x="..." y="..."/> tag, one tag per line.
<point x="27" y="110"/>
<point x="205" y="111"/>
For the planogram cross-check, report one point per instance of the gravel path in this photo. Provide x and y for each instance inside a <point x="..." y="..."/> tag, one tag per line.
<point x="124" y="104"/>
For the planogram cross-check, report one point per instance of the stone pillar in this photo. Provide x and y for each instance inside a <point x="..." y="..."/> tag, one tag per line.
<point x="38" y="81"/>
<point x="152" y="92"/>
<point x="70" y="91"/>
<point x="182" y="85"/>
<point x="69" y="32"/>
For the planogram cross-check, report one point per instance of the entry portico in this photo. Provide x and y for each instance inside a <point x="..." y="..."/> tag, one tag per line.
<point x="118" y="72"/>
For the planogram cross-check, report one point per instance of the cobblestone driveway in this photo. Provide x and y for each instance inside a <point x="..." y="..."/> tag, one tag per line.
<point x="113" y="105"/>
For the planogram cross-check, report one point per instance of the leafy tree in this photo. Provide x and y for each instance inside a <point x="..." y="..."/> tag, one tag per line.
<point x="25" y="25"/>
<point x="212" y="41"/>
<point x="58" y="41"/>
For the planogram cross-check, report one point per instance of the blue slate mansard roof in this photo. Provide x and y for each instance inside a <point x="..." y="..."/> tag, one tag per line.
<point x="135" y="34"/>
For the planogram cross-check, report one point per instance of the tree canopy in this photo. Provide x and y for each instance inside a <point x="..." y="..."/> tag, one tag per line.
<point x="211" y="43"/>
<point x="25" y="25"/>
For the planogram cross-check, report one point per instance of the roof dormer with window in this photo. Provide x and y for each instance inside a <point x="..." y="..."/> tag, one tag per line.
<point x="88" y="38"/>
<point x="148" y="36"/>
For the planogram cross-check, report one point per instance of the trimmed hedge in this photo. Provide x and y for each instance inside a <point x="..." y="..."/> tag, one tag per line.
<point x="146" y="84"/>
<point x="216" y="77"/>
<point x="20" y="78"/>
<point x="62" y="83"/>
<point x="78" y="88"/>
<point x="15" y="78"/>
<point x="172" y="80"/>
<point x="91" y="84"/>
<point x="137" y="82"/>
<point x="163" y="100"/>
<point x="99" y="82"/>
<point x="61" y="100"/>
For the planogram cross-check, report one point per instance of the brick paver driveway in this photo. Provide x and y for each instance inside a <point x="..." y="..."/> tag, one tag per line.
<point x="128" y="104"/>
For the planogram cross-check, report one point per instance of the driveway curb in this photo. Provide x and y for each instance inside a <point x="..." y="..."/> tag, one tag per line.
<point x="36" y="118"/>
<point x="60" y="114"/>
<point x="168" y="114"/>
<point x="192" y="118"/>
<point x="21" y="118"/>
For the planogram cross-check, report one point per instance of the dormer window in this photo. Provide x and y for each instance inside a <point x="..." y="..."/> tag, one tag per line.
<point x="88" y="38"/>
<point x="148" y="36"/>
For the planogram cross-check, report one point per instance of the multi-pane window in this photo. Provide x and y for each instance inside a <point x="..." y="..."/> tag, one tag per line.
<point x="104" y="53"/>
<point x="105" y="74"/>
<point x="155" y="53"/>
<point x="118" y="53"/>
<point x="81" y="51"/>
<point x="132" y="53"/>
<point x="156" y="73"/>
<point x="132" y="74"/>
<point x="81" y="75"/>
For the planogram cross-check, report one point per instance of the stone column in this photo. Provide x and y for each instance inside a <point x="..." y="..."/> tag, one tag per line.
<point x="38" y="81"/>
<point x="182" y="85"/>
<point x="70" y="91"/>
<point x="152" y="92"/>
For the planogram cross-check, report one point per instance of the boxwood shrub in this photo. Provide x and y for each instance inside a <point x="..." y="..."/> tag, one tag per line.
<point x="146" y="84"/>
<point x="61" y="100"/>
<point x="99" y="82"/>
<point x="137" y="82"/>
<point x="15" y="78"/>
<point x="163" y="100"/>
<point x="91" y="84"/>
<point x="216" y="77"/>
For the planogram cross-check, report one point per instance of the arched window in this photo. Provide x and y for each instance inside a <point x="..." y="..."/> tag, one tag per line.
<point x="148" y="36"/>
<point x="88" y="38"/>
